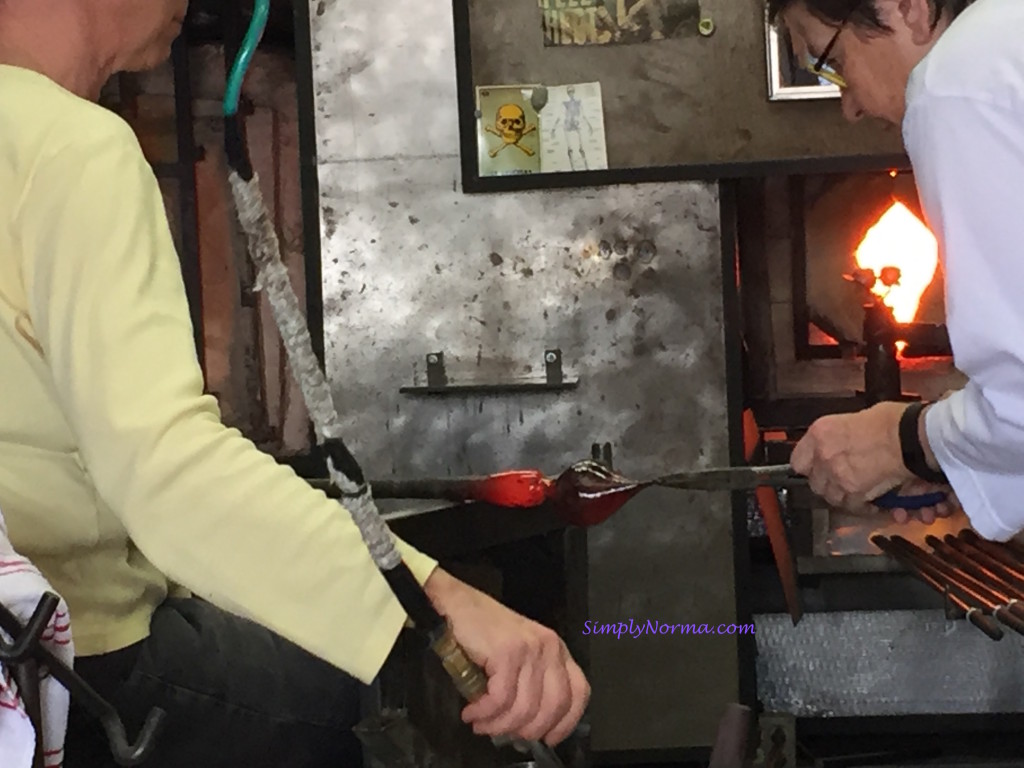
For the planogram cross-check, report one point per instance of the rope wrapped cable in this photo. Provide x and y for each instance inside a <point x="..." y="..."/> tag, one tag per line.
<point x="272" y="279"/>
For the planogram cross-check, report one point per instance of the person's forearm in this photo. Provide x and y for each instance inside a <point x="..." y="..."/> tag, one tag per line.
<point x="983" y="457"/>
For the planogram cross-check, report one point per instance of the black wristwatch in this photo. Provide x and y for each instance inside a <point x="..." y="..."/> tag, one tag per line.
<point x="913" y="452"/>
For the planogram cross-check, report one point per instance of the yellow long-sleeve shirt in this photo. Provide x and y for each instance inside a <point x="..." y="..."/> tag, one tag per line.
<point x="117" y="476"/>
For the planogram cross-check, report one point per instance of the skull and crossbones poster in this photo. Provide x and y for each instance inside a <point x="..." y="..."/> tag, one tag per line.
<point x="508" y="138"/>
<point x="606" y="22"/>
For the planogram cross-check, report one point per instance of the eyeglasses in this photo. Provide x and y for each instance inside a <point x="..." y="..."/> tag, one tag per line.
<point x="825" y="72"/>
<point x="820" y="66"/>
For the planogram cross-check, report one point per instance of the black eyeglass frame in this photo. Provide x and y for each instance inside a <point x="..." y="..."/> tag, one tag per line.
<point x="819" y="65"/>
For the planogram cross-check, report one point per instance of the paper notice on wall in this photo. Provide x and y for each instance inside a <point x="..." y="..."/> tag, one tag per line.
<point x="572" y="129"/>
<point x="508" y="135"/>
<point x="605" y="22"/>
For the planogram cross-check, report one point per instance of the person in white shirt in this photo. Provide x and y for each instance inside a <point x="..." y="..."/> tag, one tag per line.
<point x="951" y="72"/>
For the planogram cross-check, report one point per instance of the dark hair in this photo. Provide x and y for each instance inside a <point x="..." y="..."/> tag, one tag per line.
<point x="864" y="13"/>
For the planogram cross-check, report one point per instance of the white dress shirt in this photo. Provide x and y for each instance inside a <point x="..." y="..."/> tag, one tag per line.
<point x="964" y="133"/>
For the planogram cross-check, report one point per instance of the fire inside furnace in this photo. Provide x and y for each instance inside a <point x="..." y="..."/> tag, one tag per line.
<point x="900" y="239"/>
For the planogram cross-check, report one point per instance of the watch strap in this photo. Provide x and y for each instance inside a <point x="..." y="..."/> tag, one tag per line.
<point x="913" y="452"/>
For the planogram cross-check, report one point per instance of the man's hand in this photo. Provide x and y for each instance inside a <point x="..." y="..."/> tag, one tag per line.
<point x="926" y="515"/>
<point x="852" y="458"/>
<point x="535" y="690"/>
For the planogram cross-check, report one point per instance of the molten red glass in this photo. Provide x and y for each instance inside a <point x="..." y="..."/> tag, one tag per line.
<point x="587" y="494"/>
<point x="519" y="488"/>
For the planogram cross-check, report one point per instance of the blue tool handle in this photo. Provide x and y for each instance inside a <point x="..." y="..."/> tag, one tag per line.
<point x="892" y="500"/>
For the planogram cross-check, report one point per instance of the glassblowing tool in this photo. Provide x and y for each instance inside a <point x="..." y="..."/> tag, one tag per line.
<point x="588" y="493"/>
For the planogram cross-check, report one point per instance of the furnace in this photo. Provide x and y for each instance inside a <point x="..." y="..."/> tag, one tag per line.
<point x="843" y="307"/>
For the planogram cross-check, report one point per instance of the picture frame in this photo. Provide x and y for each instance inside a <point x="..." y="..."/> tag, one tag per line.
<point x="650" y="133"/>
<point x="787" y="80"/>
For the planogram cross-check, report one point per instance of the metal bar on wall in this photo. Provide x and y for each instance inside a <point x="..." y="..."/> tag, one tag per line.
<point x="312" y="464"/>
<point x="746" y="646"/>
<point x="711" y="172"/>
<point x="758" y="346"/>
<point x="798" y="266"/>
<point x="466" y="98"/>
<point x="186" y="166"/>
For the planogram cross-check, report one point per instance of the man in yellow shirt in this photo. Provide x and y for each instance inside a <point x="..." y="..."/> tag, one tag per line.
<point x="118" y="479"/>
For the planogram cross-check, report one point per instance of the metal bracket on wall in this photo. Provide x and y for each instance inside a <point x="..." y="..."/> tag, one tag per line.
<point x="438" y="382"/>
<point x="602" y="454"/>
<point x="778" y="740"/>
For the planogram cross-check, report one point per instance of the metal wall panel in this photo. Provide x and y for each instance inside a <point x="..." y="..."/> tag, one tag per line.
<point x="625" y="281"/>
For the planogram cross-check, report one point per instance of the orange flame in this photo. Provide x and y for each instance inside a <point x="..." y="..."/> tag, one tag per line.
<point x="900" y="239"/>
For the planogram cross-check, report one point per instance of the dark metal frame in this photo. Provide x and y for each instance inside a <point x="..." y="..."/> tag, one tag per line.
<point x="473" y="182"/>
<point x="746" y="646"/>
<point x="805" y="350"/>
<point x="312" y="463"/>
<point x="183" y="172"/>
<point x="798" y="273"/>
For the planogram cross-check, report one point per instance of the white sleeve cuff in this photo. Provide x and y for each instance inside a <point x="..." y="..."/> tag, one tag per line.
<point x="970" y="485"/>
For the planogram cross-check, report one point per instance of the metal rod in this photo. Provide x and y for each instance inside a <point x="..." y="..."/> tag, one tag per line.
<point x="964" y="583"/>
<point x="1001" y="552"/>
<point x="1012" y="580"/>
<point x="1013" y="545"/>
<point x="511" y="489"/>
<point x="187" y="196"/>
<point x="23" y="645"/>
<point x="971" y="612"/>
<point x="1006" y="593"/>
<point x="430" y="488"/>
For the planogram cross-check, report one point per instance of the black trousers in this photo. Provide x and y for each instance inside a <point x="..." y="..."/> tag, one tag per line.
<point x="236" y="696"/>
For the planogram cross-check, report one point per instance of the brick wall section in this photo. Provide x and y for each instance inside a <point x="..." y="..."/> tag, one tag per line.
<point x="245" y="364"/>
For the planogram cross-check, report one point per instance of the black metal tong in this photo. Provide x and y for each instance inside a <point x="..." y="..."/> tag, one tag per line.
<point x="25" y="645"/>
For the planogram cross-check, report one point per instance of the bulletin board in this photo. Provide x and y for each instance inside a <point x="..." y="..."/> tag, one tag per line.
<point x="684" y="94"/>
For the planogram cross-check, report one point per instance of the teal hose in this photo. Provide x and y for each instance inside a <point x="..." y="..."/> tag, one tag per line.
<point x="233" y="91"/>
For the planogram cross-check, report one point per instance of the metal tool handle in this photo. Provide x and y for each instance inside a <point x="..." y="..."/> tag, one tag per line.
<point x="893" y="500"/>
<point x="469" y="679"/>
<point x="471" y="682"/>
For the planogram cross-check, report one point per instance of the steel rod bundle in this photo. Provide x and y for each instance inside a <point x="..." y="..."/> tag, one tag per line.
<point x="982" y="580"/>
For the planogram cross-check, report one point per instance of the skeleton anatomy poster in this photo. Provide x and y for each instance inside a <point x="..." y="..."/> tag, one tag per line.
<point x="508" y="139"/>
<point x="572" y="129"/>
<point x="604" y="22"/>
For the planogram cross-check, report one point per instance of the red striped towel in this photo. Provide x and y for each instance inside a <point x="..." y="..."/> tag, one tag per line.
<point x="21" y="586"/>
